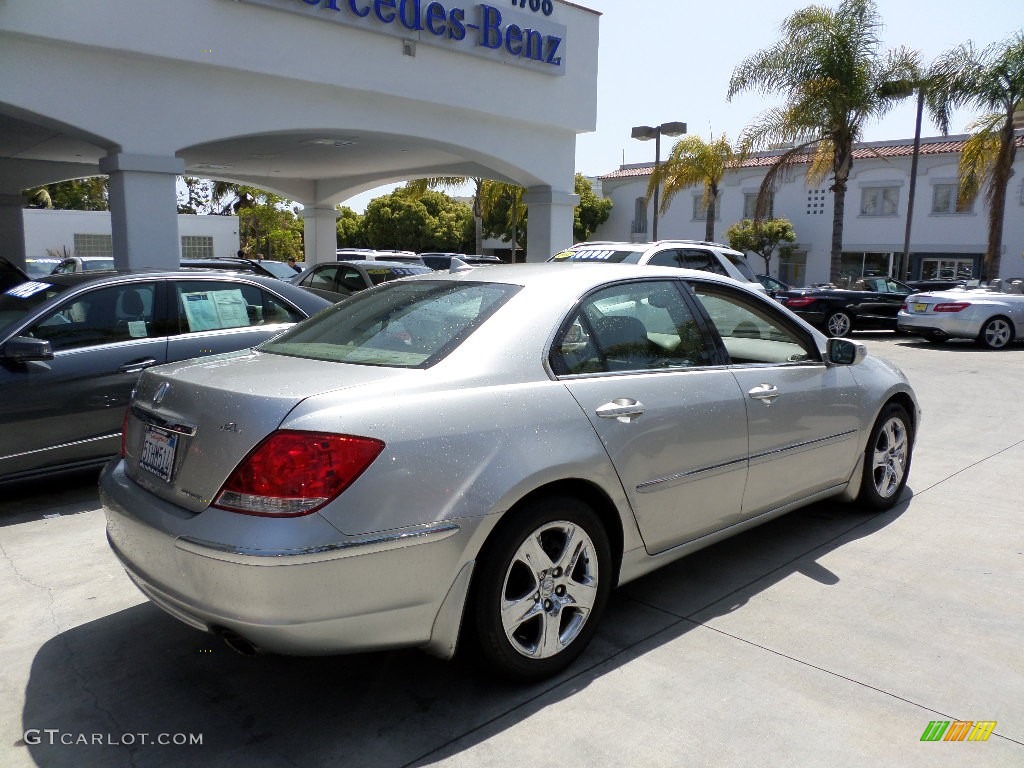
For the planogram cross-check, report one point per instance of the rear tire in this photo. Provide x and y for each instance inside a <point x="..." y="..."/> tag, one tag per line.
<point x="996" y="333"/>
<point x="887" y="459"/>
<point x="543" y="583"/>
<point x="838" y="324"/>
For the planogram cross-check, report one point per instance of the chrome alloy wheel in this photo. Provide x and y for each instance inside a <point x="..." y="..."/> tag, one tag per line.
<point x="996" y="333"/>
<point x="550" y="587"/>
<point x="839" y="324"/>
<point x="891" y="453"/>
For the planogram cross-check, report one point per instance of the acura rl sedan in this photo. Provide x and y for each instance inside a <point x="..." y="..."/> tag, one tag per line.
<point x="484" y="455"/>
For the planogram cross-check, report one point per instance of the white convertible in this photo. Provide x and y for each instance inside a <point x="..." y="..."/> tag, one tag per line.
<point x="993" y="316"/>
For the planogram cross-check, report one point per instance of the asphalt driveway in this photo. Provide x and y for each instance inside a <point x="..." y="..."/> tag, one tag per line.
<point x="828" y="637"/>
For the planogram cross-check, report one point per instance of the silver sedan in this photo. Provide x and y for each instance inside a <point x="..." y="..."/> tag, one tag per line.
<point x="992" y="316"/>
<point x="486" y="455"/>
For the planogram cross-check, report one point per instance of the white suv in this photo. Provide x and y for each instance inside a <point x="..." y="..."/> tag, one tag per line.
<point x="688" y="254"/>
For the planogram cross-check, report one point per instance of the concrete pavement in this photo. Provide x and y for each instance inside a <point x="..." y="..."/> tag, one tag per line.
<point x="826" y="638"/>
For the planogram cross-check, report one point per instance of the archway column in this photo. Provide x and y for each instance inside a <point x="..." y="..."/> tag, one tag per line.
<point x="12" y="228"/>
<point x="551" y="214"/>
<point x="320" y="230"/>
<point x="144" y="209"/>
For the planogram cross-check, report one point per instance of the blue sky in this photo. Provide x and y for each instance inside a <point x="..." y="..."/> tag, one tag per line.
<point x="670" y="60"/>
<point x="667" y="60"/>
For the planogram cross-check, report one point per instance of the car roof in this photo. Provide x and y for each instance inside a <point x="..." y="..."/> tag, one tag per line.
<point x="576" y="278"/>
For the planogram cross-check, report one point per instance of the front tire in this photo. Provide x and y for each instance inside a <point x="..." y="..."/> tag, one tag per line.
<point x="996" y="333"/>
<point x="887" y="459"/>
<point x="839" y="324"/>
<point x="544" y="581"/>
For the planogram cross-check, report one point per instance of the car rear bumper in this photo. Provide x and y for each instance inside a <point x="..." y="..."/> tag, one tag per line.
<point x="349" y="594"/>
<point x="936" y="326"/>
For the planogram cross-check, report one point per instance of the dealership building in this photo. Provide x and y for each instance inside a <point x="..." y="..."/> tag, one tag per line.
<point x="314" y="100"/>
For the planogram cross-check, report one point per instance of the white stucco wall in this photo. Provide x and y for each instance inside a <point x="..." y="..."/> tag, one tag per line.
<point x="56" y="230"/>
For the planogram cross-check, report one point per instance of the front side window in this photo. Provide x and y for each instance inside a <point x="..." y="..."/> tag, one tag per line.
<point x="211" y="305"/>
<point x="752" y="331"/>
<point x="102" y="316"/>
<point x="403" y="325"/>
<point x="638" y="326"/>
<point x="879" y="201"/>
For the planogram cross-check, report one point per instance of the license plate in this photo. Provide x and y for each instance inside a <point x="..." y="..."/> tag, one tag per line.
<point x="920" y="307"/>
<point x="158" y="453"/>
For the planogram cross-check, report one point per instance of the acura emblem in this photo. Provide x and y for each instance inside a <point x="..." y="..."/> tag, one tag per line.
<point x="161" y="393"/>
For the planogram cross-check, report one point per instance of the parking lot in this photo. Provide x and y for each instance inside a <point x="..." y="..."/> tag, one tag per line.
<point x="829" y="637"/>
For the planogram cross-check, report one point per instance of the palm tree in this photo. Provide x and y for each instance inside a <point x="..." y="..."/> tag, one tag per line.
<point x="693" y="162"/>
<point x="830" y="66"/>
<point x="993" y="80"/>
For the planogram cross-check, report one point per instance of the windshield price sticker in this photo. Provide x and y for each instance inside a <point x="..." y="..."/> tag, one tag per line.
<point x="24" y="290"/>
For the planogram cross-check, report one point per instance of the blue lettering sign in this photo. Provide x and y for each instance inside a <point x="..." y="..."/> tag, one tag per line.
<point x="384" y="10"/>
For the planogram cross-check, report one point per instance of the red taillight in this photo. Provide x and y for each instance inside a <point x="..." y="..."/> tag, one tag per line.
<point x="800" y="301"/>
<point x="952" y="306"/>
<point x="295" y="473"/>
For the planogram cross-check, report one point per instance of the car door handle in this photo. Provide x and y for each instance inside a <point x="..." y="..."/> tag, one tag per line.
<point x="766" y="393"/>
<point x="625" y="409"/>
<point x="137" y="365"/>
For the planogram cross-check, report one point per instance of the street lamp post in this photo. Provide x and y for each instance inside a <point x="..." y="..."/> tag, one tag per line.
<point x="646" y="133"/>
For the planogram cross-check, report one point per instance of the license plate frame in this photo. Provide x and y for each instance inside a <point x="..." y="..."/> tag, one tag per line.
<point x="159" y="449"/>
<point x="920" y="307"/>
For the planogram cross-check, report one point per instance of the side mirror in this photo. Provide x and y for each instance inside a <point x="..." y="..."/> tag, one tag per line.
<point x="845" y="352"/>
<point x="24" y="349"/>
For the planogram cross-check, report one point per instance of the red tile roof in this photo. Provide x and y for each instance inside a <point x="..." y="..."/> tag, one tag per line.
<point x="930" y="146"/>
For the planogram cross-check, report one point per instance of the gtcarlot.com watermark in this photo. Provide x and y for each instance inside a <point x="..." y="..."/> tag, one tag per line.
<point x="55" y="736"/>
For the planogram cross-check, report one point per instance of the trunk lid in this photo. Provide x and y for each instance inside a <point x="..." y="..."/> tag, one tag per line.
<point x="190" y="424"/>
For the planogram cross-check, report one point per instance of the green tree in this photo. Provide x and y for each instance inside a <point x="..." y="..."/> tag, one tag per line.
<point x="88" y="194"/>
<point x="991" y="79"/>
<point x="835" y="77"/>
<point x="350" y="229"/>
<point x="417" y="187"/>
<point x="760" y="236"/>
<point x="694" y="162"/>
<point x="591" y="213"/>
<point x="432" y="222"/>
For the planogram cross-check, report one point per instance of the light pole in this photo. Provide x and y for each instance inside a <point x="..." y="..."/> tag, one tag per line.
<point x="646" y="133"/>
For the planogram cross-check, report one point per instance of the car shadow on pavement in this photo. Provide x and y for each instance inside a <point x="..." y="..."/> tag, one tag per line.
<point x="109" y="691"/>
<point x="64" y="493"/>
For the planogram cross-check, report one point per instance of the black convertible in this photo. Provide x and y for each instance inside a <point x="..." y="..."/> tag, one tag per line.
<point x="871" y="304"/>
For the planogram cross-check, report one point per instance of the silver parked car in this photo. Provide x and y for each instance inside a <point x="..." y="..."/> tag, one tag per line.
<point x="488" y="453"/>
<point x="992" y="316"/>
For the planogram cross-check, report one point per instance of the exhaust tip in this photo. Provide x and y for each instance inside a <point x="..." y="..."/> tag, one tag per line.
<point x="235" y="641"/>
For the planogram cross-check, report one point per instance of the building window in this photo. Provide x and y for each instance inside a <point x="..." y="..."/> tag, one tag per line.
<point x="879" y="201"/>
<point x="815" y="201"/>
<point x="640" y="216"/>
<point x="944" y="200"/>
<point x="196" y="247"/>
<point x="700" y="210"/>
<point x="750" y="206"/>
<point x="93" y="245"/>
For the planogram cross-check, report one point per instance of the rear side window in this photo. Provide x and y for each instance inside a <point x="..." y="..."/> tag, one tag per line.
<point x="635" y="326"/>
<point x="404" y="325"/>
<point x="688" y="258"/>
<point x="210" y="305"/>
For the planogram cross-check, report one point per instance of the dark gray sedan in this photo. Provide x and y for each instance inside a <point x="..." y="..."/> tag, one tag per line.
<point x="336" y="280"/>
<point x="72" y="347"/>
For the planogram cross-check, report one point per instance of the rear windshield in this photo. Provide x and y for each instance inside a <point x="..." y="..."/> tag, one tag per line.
<point x="610" y="255"/>
<point x="402" y="325"/>
<point x="17" y="302"/>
